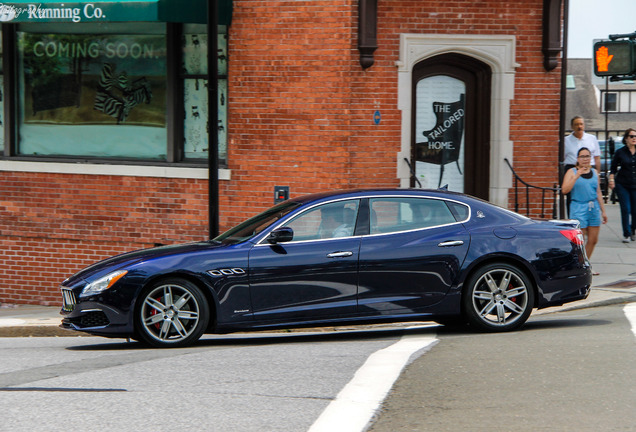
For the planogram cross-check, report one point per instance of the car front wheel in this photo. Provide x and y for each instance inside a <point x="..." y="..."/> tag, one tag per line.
<point x="498" y="297"/>
<point x="172" y="313"/>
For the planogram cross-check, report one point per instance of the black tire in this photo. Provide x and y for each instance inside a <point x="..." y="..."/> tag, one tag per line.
<point x="171" y="313"/>
<point x="498" y="297"/>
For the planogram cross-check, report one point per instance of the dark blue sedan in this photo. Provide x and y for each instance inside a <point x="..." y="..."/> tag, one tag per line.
<point x="353" y="257"/>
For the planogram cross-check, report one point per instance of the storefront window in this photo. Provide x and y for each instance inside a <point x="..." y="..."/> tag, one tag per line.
<point x="93" y="95"/>
<point x="102" y="92"/>
<point x="195" y="90"/>
<point x="1" y="99"/>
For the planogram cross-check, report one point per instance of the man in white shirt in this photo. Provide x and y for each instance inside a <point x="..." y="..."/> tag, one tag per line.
<point x="578" y="139"/>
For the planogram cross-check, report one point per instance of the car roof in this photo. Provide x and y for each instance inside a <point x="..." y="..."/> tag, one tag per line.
<point x="359" y="193"/>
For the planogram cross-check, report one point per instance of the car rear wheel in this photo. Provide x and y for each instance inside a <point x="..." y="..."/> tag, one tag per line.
<point x="498" y="297"/>
<point x="172" y="313"/>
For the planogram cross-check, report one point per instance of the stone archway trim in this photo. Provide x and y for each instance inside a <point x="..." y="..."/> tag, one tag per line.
<point x="498" y="52"/>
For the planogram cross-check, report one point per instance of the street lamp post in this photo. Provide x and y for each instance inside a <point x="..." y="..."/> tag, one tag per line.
<point x="213" y="135"/>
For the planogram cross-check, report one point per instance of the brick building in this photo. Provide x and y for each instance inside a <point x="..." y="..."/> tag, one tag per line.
<point x="107" y="151"/>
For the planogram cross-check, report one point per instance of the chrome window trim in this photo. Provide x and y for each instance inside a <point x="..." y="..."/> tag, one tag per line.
<point x="263" y="241"/>
<point x="470" y="209"/>
<point x="412" y="230"/>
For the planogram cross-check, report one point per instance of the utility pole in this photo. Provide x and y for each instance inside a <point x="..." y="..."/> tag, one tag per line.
<point x="213" y="120"/>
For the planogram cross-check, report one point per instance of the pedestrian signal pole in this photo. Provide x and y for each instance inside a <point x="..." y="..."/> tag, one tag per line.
<point x="615" y="60"/>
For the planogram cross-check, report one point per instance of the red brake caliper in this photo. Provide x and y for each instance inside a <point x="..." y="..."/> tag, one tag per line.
<point x="154" y="311"/>
<point x="512" y="299"/>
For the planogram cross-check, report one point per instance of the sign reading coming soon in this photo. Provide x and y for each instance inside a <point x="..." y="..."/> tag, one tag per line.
<point x="93" y="49"/>
<point x="93" y="79"/>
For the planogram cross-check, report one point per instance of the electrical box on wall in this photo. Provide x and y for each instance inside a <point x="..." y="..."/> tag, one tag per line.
<point x="281" y="193"/>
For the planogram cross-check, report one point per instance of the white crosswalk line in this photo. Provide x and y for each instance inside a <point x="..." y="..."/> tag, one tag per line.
<point x="630" y="312"/>
<point x="358" y="401"/>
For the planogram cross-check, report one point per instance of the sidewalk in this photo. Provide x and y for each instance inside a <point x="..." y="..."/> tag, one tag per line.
<point x="613" y="259"/>
<point x="31" y="320"/>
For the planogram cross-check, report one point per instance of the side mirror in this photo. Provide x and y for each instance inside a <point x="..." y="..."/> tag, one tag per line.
<point x="280" y="235"/>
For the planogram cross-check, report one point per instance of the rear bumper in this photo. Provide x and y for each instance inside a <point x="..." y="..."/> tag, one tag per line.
<point x="565" y="290"/>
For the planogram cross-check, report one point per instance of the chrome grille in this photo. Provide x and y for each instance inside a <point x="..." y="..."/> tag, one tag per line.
<point x="68" y="300"/>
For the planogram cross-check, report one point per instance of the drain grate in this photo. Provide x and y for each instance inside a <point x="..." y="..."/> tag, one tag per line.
<point x="620" y="284"/>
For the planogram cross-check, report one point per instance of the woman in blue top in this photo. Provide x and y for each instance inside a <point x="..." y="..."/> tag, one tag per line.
<point x="587" y="202"/>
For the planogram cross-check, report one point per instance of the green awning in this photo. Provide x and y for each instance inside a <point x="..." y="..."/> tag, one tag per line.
<point x="192" y="11"/>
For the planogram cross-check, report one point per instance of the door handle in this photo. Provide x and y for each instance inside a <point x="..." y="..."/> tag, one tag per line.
<point x="339" y="254"/>
<point x="451" y="243"/>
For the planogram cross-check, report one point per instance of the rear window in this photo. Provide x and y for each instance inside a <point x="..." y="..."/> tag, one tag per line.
<point x="460" y="211"/>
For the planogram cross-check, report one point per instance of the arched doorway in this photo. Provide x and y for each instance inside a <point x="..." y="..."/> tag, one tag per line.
<point x="450" y="125"/>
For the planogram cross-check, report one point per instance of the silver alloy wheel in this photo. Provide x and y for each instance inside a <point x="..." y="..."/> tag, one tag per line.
<point x="500" y="297"/>
<point x="170" y="313"/>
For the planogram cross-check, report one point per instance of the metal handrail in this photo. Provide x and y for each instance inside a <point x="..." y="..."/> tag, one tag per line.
<point x="408" y="162"/>
<point x="556" y="191"/>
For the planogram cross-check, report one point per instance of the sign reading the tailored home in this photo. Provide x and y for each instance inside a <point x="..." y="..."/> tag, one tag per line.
<point x="93" y="79"/>
<point x="440" y="115"/>
<point x="443" y="142"/>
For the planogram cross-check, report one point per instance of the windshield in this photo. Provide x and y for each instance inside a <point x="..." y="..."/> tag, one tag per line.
<point x="256" y="224"/>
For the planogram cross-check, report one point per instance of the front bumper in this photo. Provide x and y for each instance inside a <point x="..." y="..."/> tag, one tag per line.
<point x="94" y="316"/>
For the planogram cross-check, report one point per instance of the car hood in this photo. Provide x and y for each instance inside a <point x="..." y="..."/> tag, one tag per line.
<point x="112" y="264"/>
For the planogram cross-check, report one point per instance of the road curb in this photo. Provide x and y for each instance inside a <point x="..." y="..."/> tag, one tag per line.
<point x="35" y="331"/>
<point x="55" y="331"/>
<point x="587" y="304"/>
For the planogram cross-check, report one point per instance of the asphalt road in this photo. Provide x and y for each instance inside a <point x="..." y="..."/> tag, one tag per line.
<point x="257" y="382"/>
<point x="569" y="371"/>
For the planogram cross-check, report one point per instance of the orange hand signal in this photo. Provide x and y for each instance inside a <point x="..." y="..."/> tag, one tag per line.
<point x="603" y="59"/>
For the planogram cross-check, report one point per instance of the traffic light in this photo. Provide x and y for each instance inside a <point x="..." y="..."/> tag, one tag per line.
<point x="616" y="57"/>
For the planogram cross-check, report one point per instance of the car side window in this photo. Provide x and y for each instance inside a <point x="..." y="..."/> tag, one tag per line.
<point x="390" y="215"/>
<point x="326" y="221"/>
<point x="460" y="211"/>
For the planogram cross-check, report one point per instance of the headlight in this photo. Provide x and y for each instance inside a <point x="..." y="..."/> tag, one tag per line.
<point x="104" y="283"/>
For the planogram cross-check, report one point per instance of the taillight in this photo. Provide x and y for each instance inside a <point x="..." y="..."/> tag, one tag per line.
<point x="574" y="235"/>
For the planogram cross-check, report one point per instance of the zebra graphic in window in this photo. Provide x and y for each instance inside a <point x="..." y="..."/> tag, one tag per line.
<point x="132" y="94"/>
